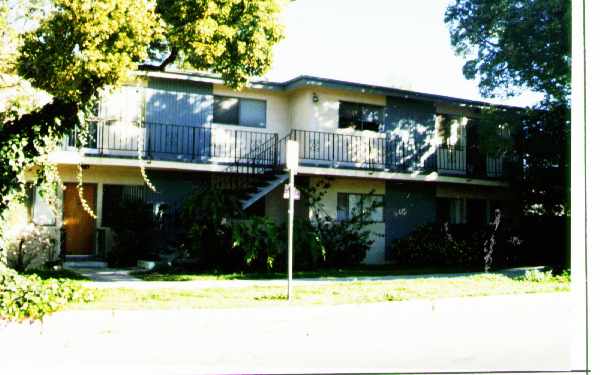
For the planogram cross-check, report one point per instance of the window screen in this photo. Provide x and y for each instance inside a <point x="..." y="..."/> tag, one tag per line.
<point x="253" y="113"/>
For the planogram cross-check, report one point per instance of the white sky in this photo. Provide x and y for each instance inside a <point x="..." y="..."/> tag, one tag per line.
<point x="397" y="43"/>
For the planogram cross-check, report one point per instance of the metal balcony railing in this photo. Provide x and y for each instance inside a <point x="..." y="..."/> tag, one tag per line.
<point x="254" y="152"/>
<point x="157" y="141"/>
<point x="383" y="152"/>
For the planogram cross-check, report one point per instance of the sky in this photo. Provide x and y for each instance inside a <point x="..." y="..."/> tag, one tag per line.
<point x="396" y="43"/>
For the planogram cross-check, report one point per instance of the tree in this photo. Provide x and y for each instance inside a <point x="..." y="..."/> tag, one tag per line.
<point x="511" y="45"/>
<point x="69" y="50"/>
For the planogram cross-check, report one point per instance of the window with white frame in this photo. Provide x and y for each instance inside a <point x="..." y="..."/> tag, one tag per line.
<point x="41" y="211"/>
<point x="240" y="111"/>
<point x="351" y="203"/>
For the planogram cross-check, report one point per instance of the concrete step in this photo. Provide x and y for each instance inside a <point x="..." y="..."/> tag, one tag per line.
<point x="75" y="264"/>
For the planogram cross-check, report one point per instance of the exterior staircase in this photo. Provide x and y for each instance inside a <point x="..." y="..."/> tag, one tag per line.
<point x="259" y="171"/>
<point x="270" y="183"/>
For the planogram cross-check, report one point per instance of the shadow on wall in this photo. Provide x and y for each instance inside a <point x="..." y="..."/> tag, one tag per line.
<point x="175" y="121"/>
<point x="413" y="125"/>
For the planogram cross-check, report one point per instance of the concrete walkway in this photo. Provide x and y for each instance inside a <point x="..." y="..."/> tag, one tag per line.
<point x="122" y="278"/>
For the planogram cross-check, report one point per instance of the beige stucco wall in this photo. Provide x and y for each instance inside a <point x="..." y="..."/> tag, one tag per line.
<point x="103" y="174"/>
<point x="346" y="185"/>
<point x="277" y="108"/>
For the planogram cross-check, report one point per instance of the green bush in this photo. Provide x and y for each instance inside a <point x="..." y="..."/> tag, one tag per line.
<point x="345" y="242"/>
<point x="340" y="243"/>
<point x="136" y="232"/>
<point x="206" y="217"/>
<point x="431" y="245"/>
<point x="538" y="276"/>
<point x="30" y="297"/>
<point x="309" y="253"/>
<point x="258" y="242"/>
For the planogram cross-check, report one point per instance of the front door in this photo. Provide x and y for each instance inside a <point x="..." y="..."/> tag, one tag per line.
<point x="80" y="227"/>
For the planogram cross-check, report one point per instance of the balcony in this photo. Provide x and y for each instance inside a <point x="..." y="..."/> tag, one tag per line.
<point x="384" y="153"/>
<point x="168" y="142"/>
<point x="251" y="149"/>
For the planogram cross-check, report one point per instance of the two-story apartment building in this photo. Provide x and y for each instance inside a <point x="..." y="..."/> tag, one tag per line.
<point x="418" y="152"/>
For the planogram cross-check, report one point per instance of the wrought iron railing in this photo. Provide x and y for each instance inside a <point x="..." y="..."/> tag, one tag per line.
<point x="158" y="141"/>
<point x="253" y="153"/>
<point x="384" y="152"/>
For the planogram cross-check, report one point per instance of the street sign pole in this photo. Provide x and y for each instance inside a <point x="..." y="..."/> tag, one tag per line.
<point x="292" y="153"/>
<point x="290" y="234"/>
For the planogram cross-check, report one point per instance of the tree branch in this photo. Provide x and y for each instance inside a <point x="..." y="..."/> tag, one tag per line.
<point x="163" y="65"/>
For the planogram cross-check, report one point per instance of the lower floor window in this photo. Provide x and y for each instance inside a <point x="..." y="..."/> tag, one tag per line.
<point x="41" y="211"/>
<point x="458" y="211"/>
<point x="472" y="211"/>
<point x="350" y="204"/>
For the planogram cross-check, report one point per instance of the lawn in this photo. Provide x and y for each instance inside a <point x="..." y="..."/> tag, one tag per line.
<point x="328" y="294"/>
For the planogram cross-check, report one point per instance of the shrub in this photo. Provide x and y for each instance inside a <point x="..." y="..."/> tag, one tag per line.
<point x="309" y="253"/>
<point x="460" y="246"/>
<point x="538" y="276"/>
<point x="345" y="242"/>
<point x="30" y="297"/>
<point x="258" y="242"/>
<point x="206" y="217"/>
<point x="433" y="245"/>
<point x="30" y="247"/>
<point x="136" y="233"/>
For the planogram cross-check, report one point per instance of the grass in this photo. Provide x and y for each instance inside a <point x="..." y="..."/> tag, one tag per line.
<point x="363" y="271"/>
<point x="319" y="294"/>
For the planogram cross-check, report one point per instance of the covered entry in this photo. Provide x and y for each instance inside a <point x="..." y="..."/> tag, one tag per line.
<point x="79" y="226"/>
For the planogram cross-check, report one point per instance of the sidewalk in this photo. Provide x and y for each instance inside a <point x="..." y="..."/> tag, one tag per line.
<point x="121" y="278"/>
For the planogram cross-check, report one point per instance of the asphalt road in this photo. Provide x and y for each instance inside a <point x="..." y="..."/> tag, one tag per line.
<point x="504" y="333"/>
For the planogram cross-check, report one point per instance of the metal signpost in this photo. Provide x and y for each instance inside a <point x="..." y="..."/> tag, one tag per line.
<point x="292" y="166"/>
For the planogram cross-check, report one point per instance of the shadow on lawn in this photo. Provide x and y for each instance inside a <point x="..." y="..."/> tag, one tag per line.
<point x="57" y="274"/>
<point x="365" y="271"/>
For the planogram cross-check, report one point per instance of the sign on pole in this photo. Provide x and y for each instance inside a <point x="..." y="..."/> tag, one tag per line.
<point x="286" y="192"/>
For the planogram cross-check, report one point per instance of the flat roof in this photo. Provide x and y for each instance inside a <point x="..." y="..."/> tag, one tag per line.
<point x="313" y="81"/>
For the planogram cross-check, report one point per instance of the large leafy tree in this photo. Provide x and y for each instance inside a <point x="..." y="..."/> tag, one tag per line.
<point x="515" y="45"/>
<point x="58" y="54"/>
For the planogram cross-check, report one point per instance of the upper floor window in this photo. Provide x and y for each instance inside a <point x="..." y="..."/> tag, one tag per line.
<point x="361" y="116"/>
<point x="240" y="111"/>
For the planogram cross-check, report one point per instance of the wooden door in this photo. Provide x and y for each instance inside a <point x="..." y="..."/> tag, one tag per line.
<point x="80" y="227"/>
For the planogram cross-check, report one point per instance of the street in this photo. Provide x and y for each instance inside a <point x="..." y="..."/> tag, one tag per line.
<point x="512" y="333"/>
